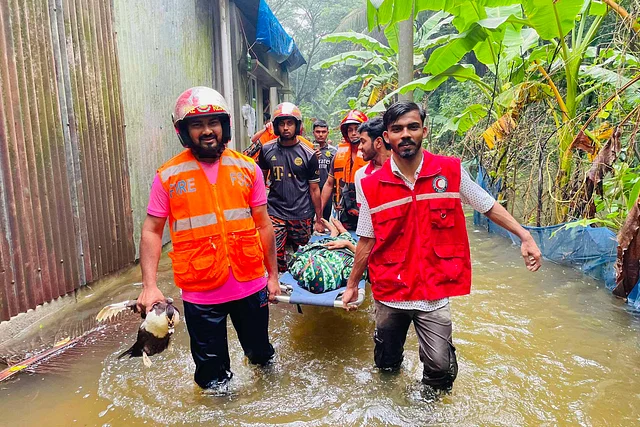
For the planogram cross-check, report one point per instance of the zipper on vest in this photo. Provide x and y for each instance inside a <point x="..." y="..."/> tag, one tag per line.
<point x="214" y="187"/>
<point x="414" y="203"/>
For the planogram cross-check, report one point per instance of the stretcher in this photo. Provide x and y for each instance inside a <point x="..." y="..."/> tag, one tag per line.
<point x="292" y="293"/>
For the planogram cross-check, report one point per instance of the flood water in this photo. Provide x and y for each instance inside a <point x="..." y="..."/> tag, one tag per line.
<point x="546" y="348"/>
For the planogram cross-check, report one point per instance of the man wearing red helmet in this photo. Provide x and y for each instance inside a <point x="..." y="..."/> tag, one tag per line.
<point x="222" y="238"/>
<point x="294" y="193"/>
<point x="341" y="180"/>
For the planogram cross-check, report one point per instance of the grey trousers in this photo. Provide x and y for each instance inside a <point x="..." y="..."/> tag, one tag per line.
<point x="433" y="329"/>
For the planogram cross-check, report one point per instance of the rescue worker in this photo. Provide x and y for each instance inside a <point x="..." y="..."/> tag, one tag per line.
<point x="341" y="178"/>
<point x="294" y="194"/>
<point x="325" y="154"/>
<point x="263" y="136"/>
<point x="413" y="234"/>
<point x="375" y="150"/>
<point x="222" y="238"/>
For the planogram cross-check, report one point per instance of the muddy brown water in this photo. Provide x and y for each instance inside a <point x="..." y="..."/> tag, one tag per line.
<point x="551" y="348"/>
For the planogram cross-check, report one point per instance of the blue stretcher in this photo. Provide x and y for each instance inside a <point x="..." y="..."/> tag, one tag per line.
<point x="292" y="293"/>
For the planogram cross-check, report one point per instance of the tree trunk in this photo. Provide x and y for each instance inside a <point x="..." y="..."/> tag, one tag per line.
<point x="405" y="56"/>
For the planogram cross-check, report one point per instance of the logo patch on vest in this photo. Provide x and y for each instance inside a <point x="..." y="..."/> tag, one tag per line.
<point x="440" y="184"/>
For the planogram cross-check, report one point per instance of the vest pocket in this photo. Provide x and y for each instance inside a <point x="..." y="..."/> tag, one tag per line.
<point x="389" y="222"/>
<point x="246" y="255"/>
<point x="393" y="257"/>
<point x="442" y="213"/>
<point x="450" y="263"/>
<point x="391" y="267"/>
<point x="199" y="264"/>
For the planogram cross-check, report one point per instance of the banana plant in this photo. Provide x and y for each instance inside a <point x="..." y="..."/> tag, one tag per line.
<point x="543" y="41"/>
<point x="377" y="63"/>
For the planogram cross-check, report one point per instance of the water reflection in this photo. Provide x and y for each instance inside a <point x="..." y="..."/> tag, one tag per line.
<point x="545" y="348"/>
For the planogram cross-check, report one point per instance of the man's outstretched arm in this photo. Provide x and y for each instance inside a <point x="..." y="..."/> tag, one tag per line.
<point x="529" y="249"/>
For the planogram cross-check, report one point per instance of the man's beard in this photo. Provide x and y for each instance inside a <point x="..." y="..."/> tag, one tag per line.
<point x="407" y="154"/>
<point x="205" y="152"/>
<point x="367" y="157"/>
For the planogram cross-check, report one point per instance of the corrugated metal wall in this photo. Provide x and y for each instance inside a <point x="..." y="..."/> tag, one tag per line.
<point x="164" y="47"/>
<point x="65" y="207"/>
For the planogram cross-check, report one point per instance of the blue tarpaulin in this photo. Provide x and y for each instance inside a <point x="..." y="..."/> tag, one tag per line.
<point x="269" y="33"/>
<point x="593" y="250"/>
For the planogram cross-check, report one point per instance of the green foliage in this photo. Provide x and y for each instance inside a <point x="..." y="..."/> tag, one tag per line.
<point x="552" y="19"/>
<point x="464" y="121"/>
<point x="362" y="40"/>
<point x="620" y="193"/>
<point x="307" y="21"/>
<point x="534" y="50"/>
<point x="380" y="60"/>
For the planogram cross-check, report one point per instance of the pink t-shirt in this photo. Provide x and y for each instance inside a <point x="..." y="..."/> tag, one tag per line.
<point x="233" y="289"/>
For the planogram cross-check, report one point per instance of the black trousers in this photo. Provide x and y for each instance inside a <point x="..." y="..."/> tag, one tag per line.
<point x="207" y="326"/>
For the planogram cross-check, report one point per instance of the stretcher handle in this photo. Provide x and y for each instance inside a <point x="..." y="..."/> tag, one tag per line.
<point x="287" y="290"/>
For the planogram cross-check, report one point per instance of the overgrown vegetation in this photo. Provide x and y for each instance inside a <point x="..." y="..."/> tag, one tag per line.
<point x="542" y="94"/>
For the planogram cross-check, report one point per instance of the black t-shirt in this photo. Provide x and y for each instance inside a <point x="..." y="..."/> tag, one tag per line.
<point x="326" y="158"/>
<point x="292" y="169"/>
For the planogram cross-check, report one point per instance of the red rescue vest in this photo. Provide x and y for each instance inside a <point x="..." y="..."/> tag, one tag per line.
<point x="421" y="250"/>
<point x="211" y="225"/>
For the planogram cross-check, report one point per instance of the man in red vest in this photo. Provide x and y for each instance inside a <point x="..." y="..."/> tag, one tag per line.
<point x="413" y="236"/>
<point x="216" y="203"/>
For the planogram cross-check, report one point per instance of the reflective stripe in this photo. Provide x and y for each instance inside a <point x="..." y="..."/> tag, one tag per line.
<point x="232" y="161"/>
<point x="175" y="170"/>
<point x="236" y="214"/>
<point x="194" y="222"/>
<point x="406" y="200"/>
<point x="438" y="196"/>
<point x="389" y="205"/>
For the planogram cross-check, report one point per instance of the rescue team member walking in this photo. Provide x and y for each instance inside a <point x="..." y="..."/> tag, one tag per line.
<point x="294" y="195"/>
<point x="326" y="154"/>
<point x="263" y="136"/>
<point x="222" y="237"/>
<point x="346" y="162"/>
<point x="374" y="149"/>
<point x="413" y="234"/>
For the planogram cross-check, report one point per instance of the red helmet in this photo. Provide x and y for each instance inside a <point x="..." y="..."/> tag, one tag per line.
<point x="200" y="101"/>
<point x="353" y="117"/>
<point x="287" y="110"/>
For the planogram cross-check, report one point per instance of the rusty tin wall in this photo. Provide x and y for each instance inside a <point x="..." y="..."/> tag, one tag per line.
<point x="65" y="207"/>
<point x="163" y="50"/>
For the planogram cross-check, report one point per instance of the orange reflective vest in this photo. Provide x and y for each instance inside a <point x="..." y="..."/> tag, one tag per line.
<point x="211" y="224"/>
<point x="344" y="169"/>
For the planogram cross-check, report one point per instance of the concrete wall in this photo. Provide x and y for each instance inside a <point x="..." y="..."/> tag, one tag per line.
<point x="164" y="47"/>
